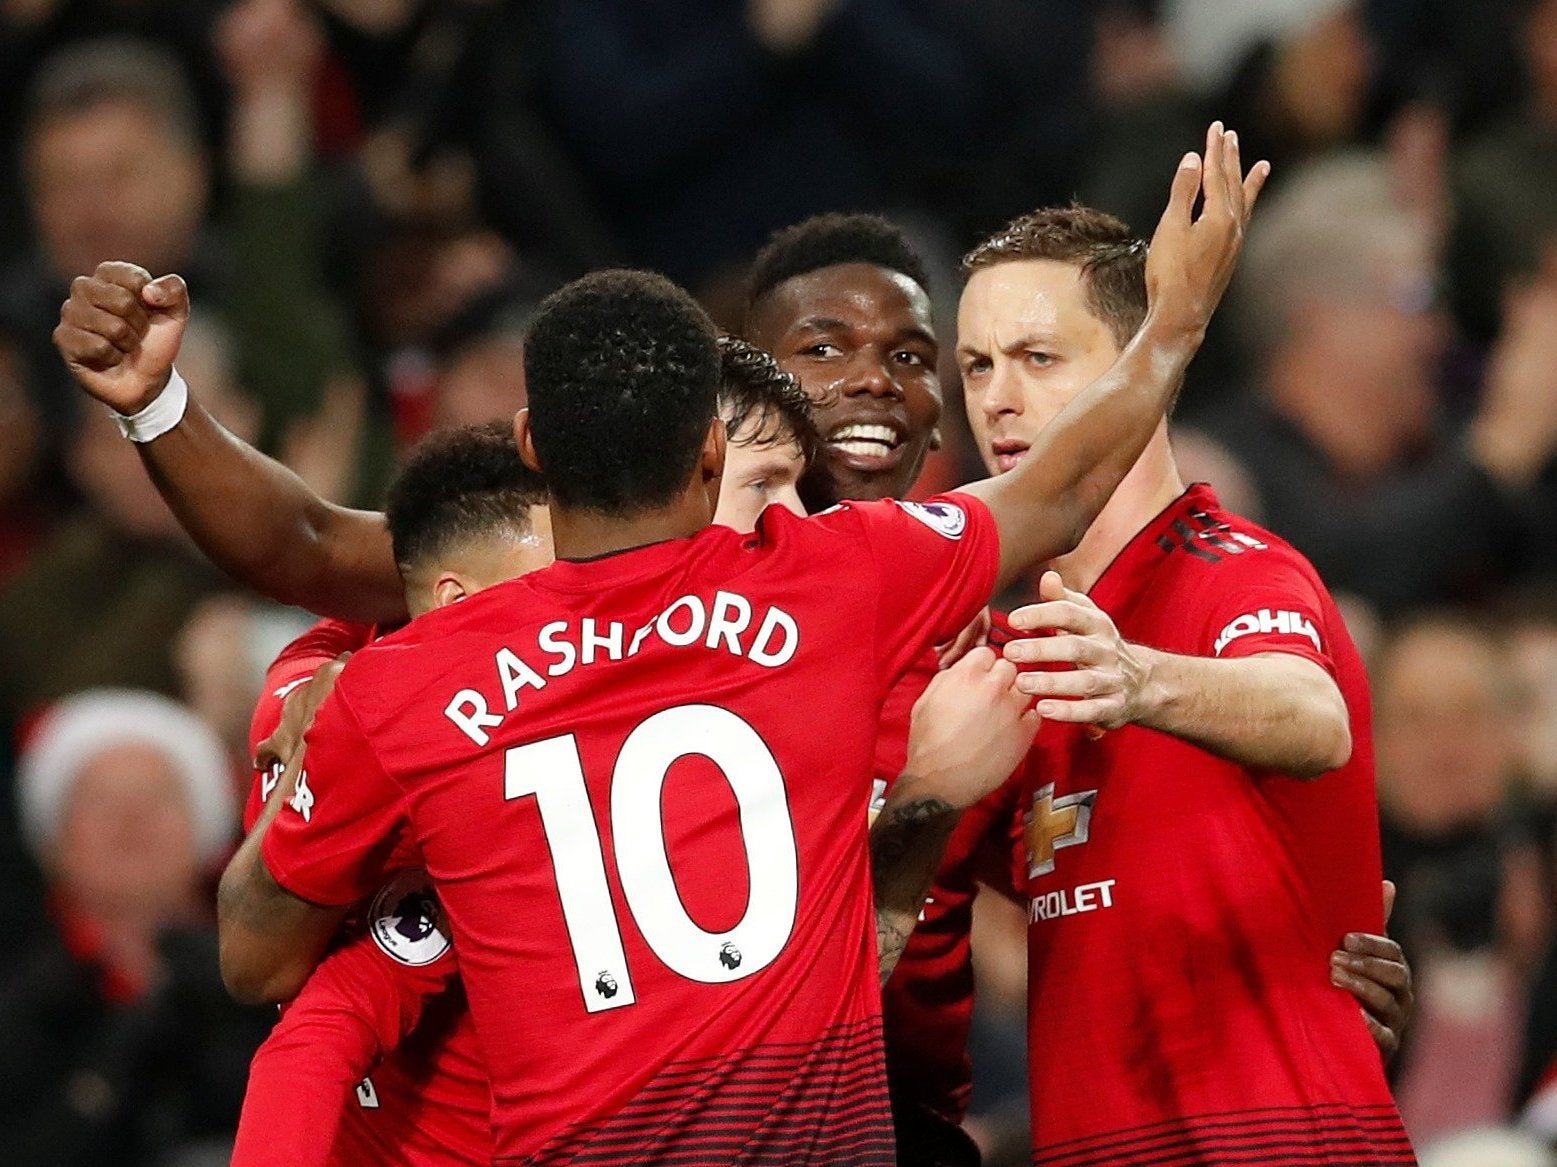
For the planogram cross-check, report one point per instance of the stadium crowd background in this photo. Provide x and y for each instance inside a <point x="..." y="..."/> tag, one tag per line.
<point x="369" y="196"/>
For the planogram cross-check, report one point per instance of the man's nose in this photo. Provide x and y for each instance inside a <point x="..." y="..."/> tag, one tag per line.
<point x="869" y="375"/>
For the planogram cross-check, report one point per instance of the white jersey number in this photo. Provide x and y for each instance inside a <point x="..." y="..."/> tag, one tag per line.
<point x="553" y="773"/>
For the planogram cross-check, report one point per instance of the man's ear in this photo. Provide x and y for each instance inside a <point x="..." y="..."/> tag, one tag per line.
<point x="451" y="588"/>
<point x="712" y="462"/>
<point x="524" y="438"/>
<point x="713" y="450"/>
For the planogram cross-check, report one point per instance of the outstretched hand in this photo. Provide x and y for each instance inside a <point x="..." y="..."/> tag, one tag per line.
<point x="120" y="331"/>
<point x="1192" y="257"/>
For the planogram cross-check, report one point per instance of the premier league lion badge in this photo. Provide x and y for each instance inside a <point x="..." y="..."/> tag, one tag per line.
<point x="406" y="919"/>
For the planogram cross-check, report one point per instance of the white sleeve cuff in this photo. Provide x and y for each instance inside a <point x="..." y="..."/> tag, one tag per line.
<point x="165" y="411"/>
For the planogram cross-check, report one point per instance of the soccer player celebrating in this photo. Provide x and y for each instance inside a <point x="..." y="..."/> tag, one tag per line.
<point x="842" y="302"/>
<point x="543" y="717"/>
<point x="1188" y="872"/>
<point x="463" y="513"/>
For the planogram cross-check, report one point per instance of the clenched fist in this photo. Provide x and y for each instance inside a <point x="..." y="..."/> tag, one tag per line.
<point x="120" y="331"/>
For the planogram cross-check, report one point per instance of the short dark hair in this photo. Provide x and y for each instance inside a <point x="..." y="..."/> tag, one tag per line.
<point x="1109" y="254"/>
<point x="116" y="70"/>
<point x="622" y="371"/>
<point x="458" y="484"/>
<point x="826" y="241"/>
<point x="752" y="386"/>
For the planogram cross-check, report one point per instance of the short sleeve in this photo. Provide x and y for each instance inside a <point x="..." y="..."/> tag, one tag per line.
<point x="935" y="564"/>
<point x="331" y="841"/>
<point x="1265" y="603"/>
<point x="283" y="677"/>
<point x="295" y="664"/>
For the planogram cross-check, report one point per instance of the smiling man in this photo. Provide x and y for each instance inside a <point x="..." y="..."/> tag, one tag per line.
<point x="841" y="302"/>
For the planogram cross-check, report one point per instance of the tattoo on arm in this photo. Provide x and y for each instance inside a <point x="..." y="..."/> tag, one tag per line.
<point x="906" y="845"/>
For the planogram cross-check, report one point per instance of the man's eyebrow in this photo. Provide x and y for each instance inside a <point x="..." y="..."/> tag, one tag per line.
<point x="919" y="333"/>
<point x="822" y="323"/>
<point x="1025" y="341"/>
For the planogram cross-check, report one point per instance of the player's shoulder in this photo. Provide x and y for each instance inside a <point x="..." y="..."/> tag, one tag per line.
<point x="324" y="641"/>
<point x="947" y="515"/>
<point x="1207" y="540"/>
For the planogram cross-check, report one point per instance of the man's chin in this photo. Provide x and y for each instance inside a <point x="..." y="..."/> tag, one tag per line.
<point x="851" y="482"/>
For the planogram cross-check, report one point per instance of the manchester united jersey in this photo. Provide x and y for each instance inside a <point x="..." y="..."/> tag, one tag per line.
<point x="1183" y="908"/>
<point x="375" y="1060"/>
<point x="637" y="784"/>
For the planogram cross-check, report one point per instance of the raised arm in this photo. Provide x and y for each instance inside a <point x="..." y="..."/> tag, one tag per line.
<point x="1044" y="506"/>
<point x="119" y="334"/>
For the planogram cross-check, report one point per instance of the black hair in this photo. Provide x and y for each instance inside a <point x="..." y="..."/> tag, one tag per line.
<point x="622" y="371"/>
<point x="752" y="386"/>
<point x="458" y="484"/>
<point x="826" y="241"/>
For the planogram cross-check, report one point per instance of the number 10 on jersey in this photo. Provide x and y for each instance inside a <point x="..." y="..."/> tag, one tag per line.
<point x="553" y="773"/>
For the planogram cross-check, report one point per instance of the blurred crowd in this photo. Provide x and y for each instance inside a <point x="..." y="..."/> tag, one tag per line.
<point x="368" y="197"/>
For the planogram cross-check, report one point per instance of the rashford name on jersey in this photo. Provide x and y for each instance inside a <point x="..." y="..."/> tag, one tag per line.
<point x="727" y="623"/>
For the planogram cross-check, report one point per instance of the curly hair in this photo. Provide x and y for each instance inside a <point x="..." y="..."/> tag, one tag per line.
<point x="752" y="386"/>
<point x="827" y="240"/>
<point x="622" y="371"/>
<point x="1111" y="258"/>
<point x="458" y="484"/>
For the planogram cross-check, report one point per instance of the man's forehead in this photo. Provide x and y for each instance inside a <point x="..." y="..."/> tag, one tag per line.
<point x="848" y="294"/>
<point x="1022" y="295"/>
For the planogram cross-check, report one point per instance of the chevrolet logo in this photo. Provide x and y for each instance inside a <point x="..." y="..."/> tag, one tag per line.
<point x="1054" y="823"/>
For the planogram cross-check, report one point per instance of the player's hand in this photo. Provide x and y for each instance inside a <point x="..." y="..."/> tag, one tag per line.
<point x="1374" y="970"/>
<point x="971" y="728"/>
<point x="1192" y="257"/>
<point x="297" y="716"/>
<point x="120" y="331"/>
<point x="975" y="634"/>
<point x="1104" y="686"/>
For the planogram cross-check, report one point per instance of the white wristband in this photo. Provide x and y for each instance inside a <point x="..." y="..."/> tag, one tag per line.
<point x="165" y="411"/>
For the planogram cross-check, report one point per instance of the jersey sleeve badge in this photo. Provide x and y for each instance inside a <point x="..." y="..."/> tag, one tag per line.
<point x="406" y="920"/>
<point x="944" y="518"/>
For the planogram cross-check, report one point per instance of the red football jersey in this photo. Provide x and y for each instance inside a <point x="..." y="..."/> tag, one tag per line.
<point x="637" y="782"/>
<point x="927" y="1004"/>
<point x="1182" y="908"/>
<point x="376" y="1060"/>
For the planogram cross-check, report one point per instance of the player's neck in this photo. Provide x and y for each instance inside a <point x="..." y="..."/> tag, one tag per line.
<point x="1150" y="487"/>
<point x="581" y="535"/>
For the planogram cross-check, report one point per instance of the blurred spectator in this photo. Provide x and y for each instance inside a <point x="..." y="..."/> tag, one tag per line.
<point x="1471" y="911"/>
<point x="100" y="602"/>
<point x="1506" y="186"/>
<point x="1353" y="457"/>
<point x="221" y="654"/>
<point x="1292" y="76"/>
<point x="117" y="1041"/>
<point x="710" y="123"/>
<point x="452" y="89"/>
<point x="1532" y="639"/>
<point x="115" y="169"/>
